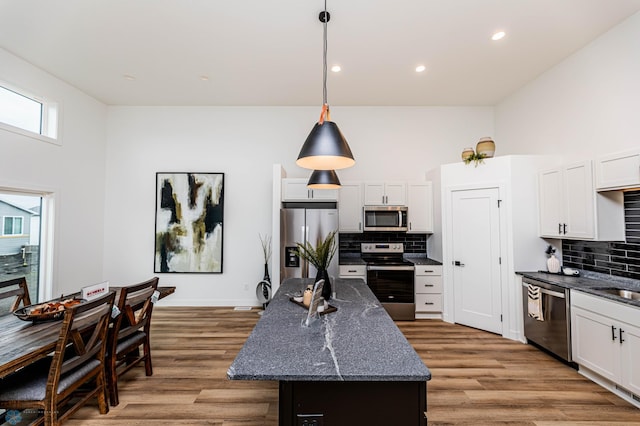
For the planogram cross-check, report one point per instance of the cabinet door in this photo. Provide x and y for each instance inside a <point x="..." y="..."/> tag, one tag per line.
<point x="618" y="170"/>
<point x="295" y="189"/>
<point x="420" y="207"/>
<point x="579" y="200"/>
<point x="595" y="343"/>
<point x="350" y="207"/>
<point x="630" y="347"/>
<point x="395" y="193"/>
<point x="374" y="194"/>
<point x="551" y="203"/>
<point x="324" y="194"/>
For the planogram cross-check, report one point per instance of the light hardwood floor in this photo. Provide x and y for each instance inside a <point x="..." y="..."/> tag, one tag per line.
<point x="478" y="379"/>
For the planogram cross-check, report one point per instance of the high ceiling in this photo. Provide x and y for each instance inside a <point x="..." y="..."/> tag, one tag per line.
<point x="259" y="52"/>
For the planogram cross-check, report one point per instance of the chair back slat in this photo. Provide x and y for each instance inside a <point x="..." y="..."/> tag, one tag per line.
<point x="135" y="307"/>
<point x="83" y="336"/>
<point x="21" y="293"/>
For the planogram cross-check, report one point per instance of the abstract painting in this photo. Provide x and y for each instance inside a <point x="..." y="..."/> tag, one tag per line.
<point x="189" y="214"/>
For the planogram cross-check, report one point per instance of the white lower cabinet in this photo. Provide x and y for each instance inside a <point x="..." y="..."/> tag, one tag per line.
<point x="428" y="290"/>
<point x="605" y="339"/>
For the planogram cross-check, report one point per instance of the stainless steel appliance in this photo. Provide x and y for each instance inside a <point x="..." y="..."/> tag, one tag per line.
<point x="385" y="218"/>
<point x="299" y="223"/>
<point x="553" y="330"/>
<point x="391" y="278"/>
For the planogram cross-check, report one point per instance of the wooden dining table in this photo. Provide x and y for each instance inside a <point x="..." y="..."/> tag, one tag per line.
<point x="24" y="342"/>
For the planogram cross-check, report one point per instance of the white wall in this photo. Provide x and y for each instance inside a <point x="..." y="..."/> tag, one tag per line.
<point x="73" y="172"/>
<point x="584" y="107"/>
<point x="244" y="143"/>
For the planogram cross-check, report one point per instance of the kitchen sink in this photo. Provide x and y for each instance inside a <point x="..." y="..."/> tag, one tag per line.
<point x="627" y="294"/>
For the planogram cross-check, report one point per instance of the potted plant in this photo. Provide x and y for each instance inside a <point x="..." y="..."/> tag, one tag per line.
<point x="320" y="257"/>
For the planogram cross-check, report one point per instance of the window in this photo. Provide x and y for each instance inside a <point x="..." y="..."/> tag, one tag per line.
<point x="24" y="247"/>
<point x="13" y="225"/>
<point x="27" y="114"/>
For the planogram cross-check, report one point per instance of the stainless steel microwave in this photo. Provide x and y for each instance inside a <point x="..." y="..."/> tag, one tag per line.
<point x="385" y="218"/>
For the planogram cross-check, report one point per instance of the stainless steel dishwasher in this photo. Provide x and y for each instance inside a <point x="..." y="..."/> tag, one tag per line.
<point x="552" y="331"/>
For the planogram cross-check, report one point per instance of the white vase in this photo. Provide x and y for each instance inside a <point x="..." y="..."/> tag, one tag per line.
<point x="553" y="264"/>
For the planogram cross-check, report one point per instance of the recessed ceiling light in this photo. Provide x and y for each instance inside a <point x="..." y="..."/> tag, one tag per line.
<point x="204" y="77"/>
<point x="420" y="68"/>
<point x="498" y="35"/>
<point x="128" y="77"/>
<point x="336" y="68"/>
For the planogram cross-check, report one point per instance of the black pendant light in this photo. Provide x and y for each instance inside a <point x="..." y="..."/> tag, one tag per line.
<point x="324" y="179"/>
<point x="325" y="147"/>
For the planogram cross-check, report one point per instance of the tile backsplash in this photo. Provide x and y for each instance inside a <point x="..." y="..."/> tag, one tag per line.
<point x="614" y="258"/>
<point x="413" y="243"/>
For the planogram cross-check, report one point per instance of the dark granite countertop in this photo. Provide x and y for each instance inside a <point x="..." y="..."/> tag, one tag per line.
<point x="358" y="342"/>
<point x="420" y="259"/>
<point x="590" y="282"/>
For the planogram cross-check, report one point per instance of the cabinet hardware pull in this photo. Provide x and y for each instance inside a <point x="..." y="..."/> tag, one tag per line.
<point x="427" y="270"/>
<point x="559" y="228"/>
<point x="428" y="285"/>
<point x="457" y="263"/>
<point x="564" y="226"/>
<point x="613" y="333"/>
<point x="353" y="270"/>
<point x="429" y="303"/>
<point x="621" y="339"/>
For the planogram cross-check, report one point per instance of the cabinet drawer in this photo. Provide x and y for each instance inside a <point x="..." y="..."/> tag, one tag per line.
<point x="428" y="284"/>
<point x="429" y="302"/>
<point x="353" y="270"/>
<point x="428" y="269"/>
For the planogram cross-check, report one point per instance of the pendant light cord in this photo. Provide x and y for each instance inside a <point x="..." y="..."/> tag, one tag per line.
<point x="324" y="55"/>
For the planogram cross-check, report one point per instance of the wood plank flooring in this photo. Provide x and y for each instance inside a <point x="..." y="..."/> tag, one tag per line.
<point x="478" y="379"/>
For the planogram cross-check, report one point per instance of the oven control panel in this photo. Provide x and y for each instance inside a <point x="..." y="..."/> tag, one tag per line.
<point x="382" y="248"/>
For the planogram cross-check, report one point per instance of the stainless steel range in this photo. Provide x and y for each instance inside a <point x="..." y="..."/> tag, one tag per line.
<point x="391" y="278"/>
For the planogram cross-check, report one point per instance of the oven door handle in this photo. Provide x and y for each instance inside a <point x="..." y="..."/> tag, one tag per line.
<point x="390" y="268"/>
<point x="545" y="291"/>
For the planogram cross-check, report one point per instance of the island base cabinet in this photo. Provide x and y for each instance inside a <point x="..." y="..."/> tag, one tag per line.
<point x="337" y="403"/>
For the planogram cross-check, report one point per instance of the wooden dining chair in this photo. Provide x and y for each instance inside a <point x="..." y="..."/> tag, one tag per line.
<point x="52" y="384"/>
<point x="16" y="288"/>
<point x="130" y="330"/>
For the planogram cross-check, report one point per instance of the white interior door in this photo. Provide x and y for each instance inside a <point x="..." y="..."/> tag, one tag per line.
<point x="477" y="282"/>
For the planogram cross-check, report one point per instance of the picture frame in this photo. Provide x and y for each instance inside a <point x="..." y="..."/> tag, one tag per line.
<point x="189" y="222"/>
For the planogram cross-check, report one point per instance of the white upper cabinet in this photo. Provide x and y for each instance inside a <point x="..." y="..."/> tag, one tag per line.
<point x="618" y="171"/>
<point x="385" y="193"/>
<point x="350" y="207"/>
<point x="294" y="189"/>
<point x="570" y="208"/>
<point x="420" y="207"/>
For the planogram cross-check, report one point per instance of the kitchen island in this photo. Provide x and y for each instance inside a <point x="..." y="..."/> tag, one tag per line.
<point x="352" y="366"/>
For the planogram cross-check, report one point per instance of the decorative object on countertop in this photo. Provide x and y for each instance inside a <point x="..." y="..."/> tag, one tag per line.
<point x="475" y="157"/>
<point x="571" y="272"/>
<point x="325" y="147"/>
<point x="189" y="216"/>
<point x="263" y="290"/>
<point x="486" y="146"/>
<point x="320" y="257"/>
<point x="466" y="153"/>
<point x="553" y="264"/>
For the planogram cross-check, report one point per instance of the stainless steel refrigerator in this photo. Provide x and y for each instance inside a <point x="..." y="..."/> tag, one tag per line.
<point x="299" y="223"/>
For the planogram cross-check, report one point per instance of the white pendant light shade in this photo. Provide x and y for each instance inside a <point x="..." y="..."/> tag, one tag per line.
<point x="324" y="179"/>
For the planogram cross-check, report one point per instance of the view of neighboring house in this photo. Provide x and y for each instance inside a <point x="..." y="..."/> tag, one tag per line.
<point x="15" y="231"/>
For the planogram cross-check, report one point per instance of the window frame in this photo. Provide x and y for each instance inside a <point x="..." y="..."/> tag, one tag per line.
<point x="13" y="225"/>
<point x="50" y="116"/>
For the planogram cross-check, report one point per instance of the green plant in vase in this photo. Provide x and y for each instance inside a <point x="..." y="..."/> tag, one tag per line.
<point x="320" y="257"/>
<point x="476" y="158"/>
